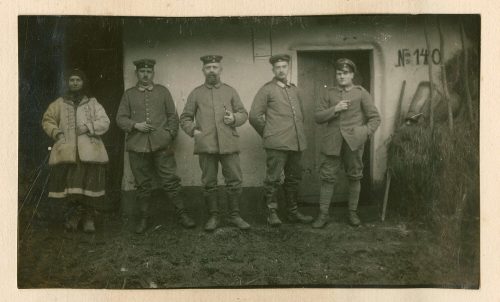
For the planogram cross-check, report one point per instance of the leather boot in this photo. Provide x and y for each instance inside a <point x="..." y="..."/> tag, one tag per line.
<point x="212" y="206"/>
<point x="235" y="219"/>
<point x="180" y="211"/>
<point x="325" y="197"/>
<point x="353" y="218"/>
<point x="294" y="215"/>
<point x="320" y="221"/>
<point x="273" y="218"/>
<point x="143" y="222"/>
<point x="88" y="221"/>
<point x="272" y="205"/>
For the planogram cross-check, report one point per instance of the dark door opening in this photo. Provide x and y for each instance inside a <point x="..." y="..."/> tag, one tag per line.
<point x="315" y="72"/>
<point x="48" y="45"/>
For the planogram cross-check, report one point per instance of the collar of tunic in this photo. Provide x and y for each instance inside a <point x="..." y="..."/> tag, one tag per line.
<point x="209" y="86"/>
<point x="281" y="84"/>
<point x="144" y="88"/>
<point x="340" y="88"/>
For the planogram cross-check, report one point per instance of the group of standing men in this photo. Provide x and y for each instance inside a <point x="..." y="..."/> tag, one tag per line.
<point x="211" y="115"/>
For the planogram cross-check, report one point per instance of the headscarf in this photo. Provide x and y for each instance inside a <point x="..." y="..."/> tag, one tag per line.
<point x="75" y="96"/>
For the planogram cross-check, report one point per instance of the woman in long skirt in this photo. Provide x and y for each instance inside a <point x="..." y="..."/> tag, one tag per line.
<point x="78" y="157"/>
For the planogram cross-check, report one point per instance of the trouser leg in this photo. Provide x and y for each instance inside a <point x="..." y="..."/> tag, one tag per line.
<point x="353" y="164"/>
<point x="325" y="197"/>
<point x="328" y="171"/>
<point x="166" y="169"/>
<point x="275" y="164"/>
<point x="209" y="164"/>
<point x="231" y="171"/>
<point x="293" y="176"/>
<point x="142" y="168"/>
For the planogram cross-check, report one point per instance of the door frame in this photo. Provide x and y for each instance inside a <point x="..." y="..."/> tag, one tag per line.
<point x="376" y="84"/>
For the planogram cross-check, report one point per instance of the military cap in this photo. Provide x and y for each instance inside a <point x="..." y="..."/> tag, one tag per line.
<point x="144" y="63"/>
<point x="211" y="59"/>
<point x="345" y="63"/>
<point x="279" y="58"/>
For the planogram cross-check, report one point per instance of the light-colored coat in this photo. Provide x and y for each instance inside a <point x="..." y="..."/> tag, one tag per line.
<point x="63" y="117"/>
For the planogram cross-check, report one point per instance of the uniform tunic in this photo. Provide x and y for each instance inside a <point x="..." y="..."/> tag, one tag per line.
<point x="205" y="110"/>
<point x="216" y="142"/>
<point x="346" y="131"/>
<point x="277" y="115"/>
<point x="150" y="153"/>
<point x="154" y="105"/>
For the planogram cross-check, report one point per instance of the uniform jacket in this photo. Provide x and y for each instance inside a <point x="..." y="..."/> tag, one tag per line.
<point x="355" y="124"/>
<point x="205" y="112"/>
<point x="155" y="106"/>
<point x="277" y="115"/>
<point x="63" y="116"/>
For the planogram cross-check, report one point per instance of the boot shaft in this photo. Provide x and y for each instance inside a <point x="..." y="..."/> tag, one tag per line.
<point x="212" y="203"/>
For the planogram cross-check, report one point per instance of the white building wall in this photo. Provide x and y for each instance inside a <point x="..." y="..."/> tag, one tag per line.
<point x="177" y="49"/>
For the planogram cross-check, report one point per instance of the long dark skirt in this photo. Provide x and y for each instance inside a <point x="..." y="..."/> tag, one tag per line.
<point x="80" y="181"/>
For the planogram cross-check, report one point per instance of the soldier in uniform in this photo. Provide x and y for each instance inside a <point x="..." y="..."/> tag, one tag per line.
<point x="277" y="116"/>
<point x="148" y="115"/>
<point x="351" y="118"/>
<point x="212" y="113"/>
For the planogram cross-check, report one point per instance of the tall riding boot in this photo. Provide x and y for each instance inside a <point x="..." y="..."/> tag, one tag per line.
<point x="272" y="205"/>
<point x="293" y="213"/>
<point x="213" y="208"/>
<point x="325" y="197"/>
<point x="144" y="215"/>
<point x="180" y="210"/>
<point x="234" y="207"/>
<point x="354" y="189"/>
<point x="88" y="220"/>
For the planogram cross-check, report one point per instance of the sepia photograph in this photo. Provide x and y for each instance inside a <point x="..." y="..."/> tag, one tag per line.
<point x="304" y="151"/>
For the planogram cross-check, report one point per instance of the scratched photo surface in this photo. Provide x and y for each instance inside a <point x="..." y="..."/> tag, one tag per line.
<point x="249" y="152"/>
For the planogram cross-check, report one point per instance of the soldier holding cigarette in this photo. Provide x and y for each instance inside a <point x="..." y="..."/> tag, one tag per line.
<point x="147" y="114"/>
<point x="351" y="118"/>
<point x="212" y="113"/>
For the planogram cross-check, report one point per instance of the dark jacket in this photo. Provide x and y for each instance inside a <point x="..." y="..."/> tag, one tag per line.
<point x="155" y="106"/>
<point x="355" y="124"/>
<point x="277" y="115"/>
<point x="205" y="112"/>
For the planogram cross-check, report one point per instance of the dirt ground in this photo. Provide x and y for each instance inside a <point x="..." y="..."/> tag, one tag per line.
<point x="387" y="254"/>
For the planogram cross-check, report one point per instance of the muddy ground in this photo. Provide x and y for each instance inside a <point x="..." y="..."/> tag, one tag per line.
<point x="390" y="254"/>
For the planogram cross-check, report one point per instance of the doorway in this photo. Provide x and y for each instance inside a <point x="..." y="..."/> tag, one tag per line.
<point x="48" y="45"/>
<point x="315" y="73"/>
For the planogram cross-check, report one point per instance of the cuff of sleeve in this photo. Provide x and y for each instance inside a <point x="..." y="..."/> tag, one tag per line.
<point x="90" y="126"/>
<point x="131" y="126"/>
<point x="172" y="133"/>
<point x="238" y="121"/>
<point x="55" y="133"/>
